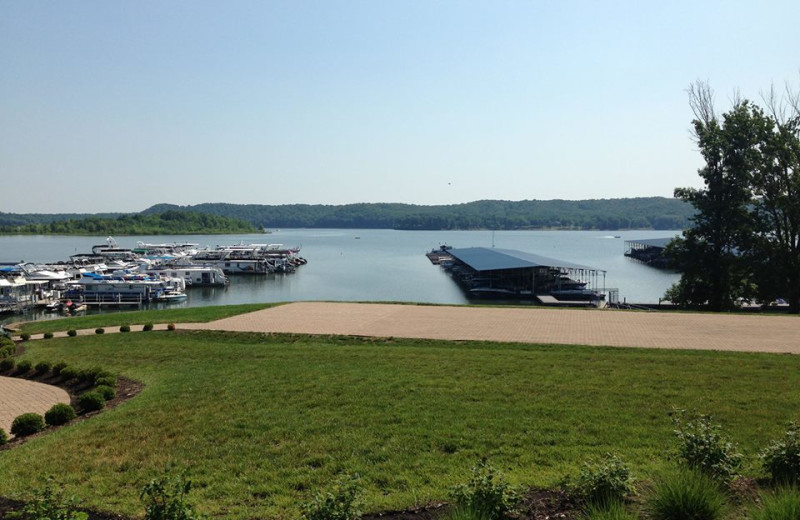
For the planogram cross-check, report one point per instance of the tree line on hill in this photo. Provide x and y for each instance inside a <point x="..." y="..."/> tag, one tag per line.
<point x="606" y="214"/>
<point x="164" y="223"/>
<point x="744" y="241"/>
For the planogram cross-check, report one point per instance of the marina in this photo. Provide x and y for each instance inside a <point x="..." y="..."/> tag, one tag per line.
<point x="382" y="265"/>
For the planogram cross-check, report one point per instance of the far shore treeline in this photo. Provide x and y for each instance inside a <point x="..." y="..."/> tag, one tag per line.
<point x="163" y="223"/>
<point x="607" y="214"/>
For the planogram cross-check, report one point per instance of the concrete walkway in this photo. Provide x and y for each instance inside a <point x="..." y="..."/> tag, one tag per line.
<point x="674" y="330"/>
<point x="19" y="396"/>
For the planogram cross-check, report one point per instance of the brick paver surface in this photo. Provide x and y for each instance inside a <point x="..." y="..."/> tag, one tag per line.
<point x="674" y="330"/>
<point x="18" y="396"/>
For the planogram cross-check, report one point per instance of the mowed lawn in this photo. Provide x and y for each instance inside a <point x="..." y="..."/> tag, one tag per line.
<point x="261" y="422"/>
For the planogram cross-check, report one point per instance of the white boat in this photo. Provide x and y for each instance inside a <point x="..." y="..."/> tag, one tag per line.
<point x="121" y="288"/>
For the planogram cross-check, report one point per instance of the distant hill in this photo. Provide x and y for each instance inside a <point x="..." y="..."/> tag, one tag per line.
<point x="610" y="214"/>
<point x="162" y="223"/>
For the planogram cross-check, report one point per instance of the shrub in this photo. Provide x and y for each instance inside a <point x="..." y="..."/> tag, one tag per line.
<point x="60" y="413"/>
<point x="99" y="330"/>
<point x="72" y="333"/>
<point x="3" y="437"/>
<point x="27" y="424"/>
<point x="704" y="448"/>
<point x="171" y="326"/>
<point x="687" y="495"/>
<point x="24" y="366"/>
<point x="7" y="364"/>
<point x="8" y="351"/>
<point x="58" y="367"/>
<point x="610" y="511"/>
<point x="781" y="459"/>
<point x="147" y="327"/>
<point x="25" y="336"/>
<point x="48" y="335"/>
<point x="69" y="373"/>
<point x="91" y="402"/>
<point x="604" y="482"/>
<point x="343" y="502"/>
<point x="125" y="328"/>
<point x="486" y="493"/>
<point x="90" y="375"/>
<point x="107" y="392"/>
<point x="164" y="498"/>
<point x="42" y="367"/>
<point x="784" y="504"/>
<point x="48" y="504"/>
<point x="106" y="380"/>
<point x="5" y="341"/>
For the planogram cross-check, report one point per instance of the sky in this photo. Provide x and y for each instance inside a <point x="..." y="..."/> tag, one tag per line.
<point x="113" y="106"/>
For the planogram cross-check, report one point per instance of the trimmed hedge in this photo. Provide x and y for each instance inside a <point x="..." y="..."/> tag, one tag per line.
<point x="69" y="373"/>
<point x="27" y="424"/>
<point x="91" y="401"/>
<point x="125" y="328"/>
<point x="24" y="366"/>
<point x="107" y="392"/>
<point x="48" y="335"/>
<point x="3" y="437"/>
<point x="25" y="336"/>
<point x="7" y="364"/>
<point x="147" y="327"/>
<point x="42" y="367"/>
<point x="58" y="367"/>
<point x="72" y="333"/>
<point x="58" y="414"/>
<point x="99" y="330"/>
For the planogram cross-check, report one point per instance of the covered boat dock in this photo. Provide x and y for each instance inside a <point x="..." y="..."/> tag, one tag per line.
<point x="649" y="251"/>
<point x="484" y="272"/>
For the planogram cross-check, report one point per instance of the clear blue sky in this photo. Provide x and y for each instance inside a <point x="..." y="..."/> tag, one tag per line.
<point x="117" y="105"/>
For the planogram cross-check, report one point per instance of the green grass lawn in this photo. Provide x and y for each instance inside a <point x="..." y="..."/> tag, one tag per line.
<point x="189" y="315"/>
<point x="263" y="421"/>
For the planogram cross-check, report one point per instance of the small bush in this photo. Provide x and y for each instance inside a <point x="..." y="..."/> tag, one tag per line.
<point x="781" y="459"/>
<point x="90" y="375"/>
<point x="343" y="502"/>
<point x="25" y="336"/>
<point x="72" y="333"/>
<point x="125" y="328"/>
<point x="610" y="511"/>
<point x="50" y="504"/>
<point x="48" y="335"/>
<point x="42" y="367"/>
<point x="164" y="498"/>
<point x="24" y="366"/>
<point x="91" y="402"/>
<point x="147" y="327"/>
<point x="604" y="482"/>
<point x="784" y="504"/>
<point x="27" y="424"/>
<point x="7" y="364"/>
<point x="705" y="448"/>
<point x="171" y="326"/>
<point x="5" y="341"/>
<point x="60" y="413"/>
<point x="69" y="373"/>
<point x="107" y="392"/>
<point x="58" y="367"/>
<point x="7" y="351"/>
<point x="486" y="493"/>
<point x="3" y="437"/>
<point x="687" y="495"/>
<point x="106" y="380"/>
<point x="99" y="330"/>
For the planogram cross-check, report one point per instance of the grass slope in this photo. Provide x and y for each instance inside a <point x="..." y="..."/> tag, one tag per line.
<point x="263" y="421"/>
<point x="115" y="319"/>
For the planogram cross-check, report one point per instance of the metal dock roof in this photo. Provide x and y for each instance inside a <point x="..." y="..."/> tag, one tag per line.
<point x="490" y="259"/>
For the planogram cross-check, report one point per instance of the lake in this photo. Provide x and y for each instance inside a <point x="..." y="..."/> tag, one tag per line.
<point x="379" y="265"/>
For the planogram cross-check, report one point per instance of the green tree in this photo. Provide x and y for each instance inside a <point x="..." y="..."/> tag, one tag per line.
<point x="714" y="272"/>
<point x="775" y="252"/>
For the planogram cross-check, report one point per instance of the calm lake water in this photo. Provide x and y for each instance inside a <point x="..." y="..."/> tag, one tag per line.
<point x="379" y="265"/>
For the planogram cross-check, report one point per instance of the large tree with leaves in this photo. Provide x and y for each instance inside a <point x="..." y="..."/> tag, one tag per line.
<point x="708" y="254"/>
<point x="745" y="237"/>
